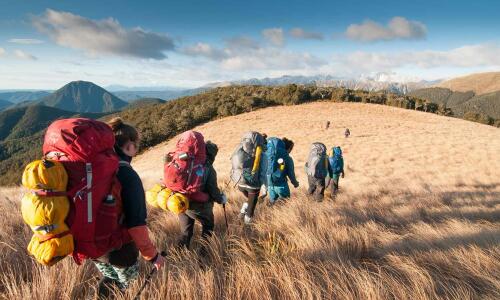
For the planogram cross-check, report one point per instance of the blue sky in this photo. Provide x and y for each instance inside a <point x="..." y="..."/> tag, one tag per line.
<point x="45" y="44"/>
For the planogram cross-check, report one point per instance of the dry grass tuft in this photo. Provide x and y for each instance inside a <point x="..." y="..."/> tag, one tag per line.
<point x="417" y="218"/>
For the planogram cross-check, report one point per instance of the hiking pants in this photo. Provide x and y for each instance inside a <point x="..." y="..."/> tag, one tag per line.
<point x="204" y="213"/>
<point x="334" y="184"/>
<point x="278" y="192"/>
<point x="252" y="196"/>
<point x="119" y="267"/>
<point x="316" y="187"/>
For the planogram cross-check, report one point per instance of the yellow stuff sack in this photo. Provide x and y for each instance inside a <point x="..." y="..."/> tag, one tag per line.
<point x="172" y="201"/>
<point x="44" y="208"/>
<point x="152" y="195"/>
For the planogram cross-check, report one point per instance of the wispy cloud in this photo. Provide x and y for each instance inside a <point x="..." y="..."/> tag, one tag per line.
<point x="23" y="55"/>
<point x="469" y="56"/>
<point x="300" y="33"/>
<point x="25" y="41"/>
<point x="102" y="37"/>
<point x="275" y="36"/>
<point x="397" y="28"/>
<point x="205" y="50"/>
<point x="2" y="52"/>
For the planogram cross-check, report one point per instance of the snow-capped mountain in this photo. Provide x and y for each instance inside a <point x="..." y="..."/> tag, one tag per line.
<point x="381" y="81"/>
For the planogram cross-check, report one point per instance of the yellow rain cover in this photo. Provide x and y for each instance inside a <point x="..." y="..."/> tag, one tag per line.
<point x="45" y="211"/>
<point x="152" y="195"/>
<point x="174" y="202"/>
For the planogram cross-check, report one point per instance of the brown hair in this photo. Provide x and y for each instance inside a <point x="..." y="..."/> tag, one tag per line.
<point x="123" y="132"/>
<point x="288" y="144"/>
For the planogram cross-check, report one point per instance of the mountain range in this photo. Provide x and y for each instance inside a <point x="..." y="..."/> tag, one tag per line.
<point x="378" y="82"/>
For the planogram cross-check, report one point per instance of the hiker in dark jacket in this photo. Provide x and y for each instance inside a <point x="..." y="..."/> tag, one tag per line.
<point x="203" y="211"/>
<point x="119" y="267"/>
<point x="248" y="171"/>
<point x="280" y="168"/>
<point x="317" y="168"/>
<point x="336" y="169"/>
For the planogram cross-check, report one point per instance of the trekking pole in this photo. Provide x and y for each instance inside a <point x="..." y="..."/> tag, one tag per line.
<point x="225" y="215"/>
<point x="148" y="279"/>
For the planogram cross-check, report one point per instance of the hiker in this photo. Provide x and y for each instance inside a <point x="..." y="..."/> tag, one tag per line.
<point x="119" y="267"/>
<point x="347" y="133"/>
<point x="203" y="211"/>
<point x="247" y="171"/>
<point x="327" y="125"/>
<point x="336" y="170"/>
<point x="279" y="167"/>
<point x="317" y="168"/>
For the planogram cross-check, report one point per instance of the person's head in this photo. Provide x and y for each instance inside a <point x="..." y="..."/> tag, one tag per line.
<point x="126" y="136"/>
<point x="212" y="150"/>
<point x="288" y="144"/>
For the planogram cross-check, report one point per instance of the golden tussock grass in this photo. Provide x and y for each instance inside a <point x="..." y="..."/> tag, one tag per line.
<point x="417" y="217"/>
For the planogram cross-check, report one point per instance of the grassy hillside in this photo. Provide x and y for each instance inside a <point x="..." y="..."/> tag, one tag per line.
<point x="480" y="83"/>
<point x="417" y="217"/>
<point x="159" y="122"/>
<point x="479" y="108"/>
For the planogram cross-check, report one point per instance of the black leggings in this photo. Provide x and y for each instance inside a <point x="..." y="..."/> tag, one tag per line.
<point x="252" y="197"/>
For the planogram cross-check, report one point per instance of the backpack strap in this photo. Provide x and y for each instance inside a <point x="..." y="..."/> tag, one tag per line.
<point x="124" y="163"/>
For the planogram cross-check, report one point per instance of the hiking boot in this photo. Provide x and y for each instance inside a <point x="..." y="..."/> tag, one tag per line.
<point x="243" y="210"/>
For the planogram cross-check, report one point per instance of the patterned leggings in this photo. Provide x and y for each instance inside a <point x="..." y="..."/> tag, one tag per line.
<point x="122" y="276"/>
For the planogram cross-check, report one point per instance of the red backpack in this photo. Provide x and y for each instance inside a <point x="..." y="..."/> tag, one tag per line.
<point x="185" y="171"/>
<point x="86" y="149"/>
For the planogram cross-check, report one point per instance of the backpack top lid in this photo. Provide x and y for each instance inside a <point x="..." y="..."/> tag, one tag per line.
<point x="276" y="144"/>
<point x="78" y="138"/>
<point x="250" y="141"/>
<point x="318" y="149"/>
<point x="337" y="151"/>
<point x="192" y="142"/>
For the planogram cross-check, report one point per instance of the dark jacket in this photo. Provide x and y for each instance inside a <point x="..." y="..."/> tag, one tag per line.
<point x="211" y="187"/>
<point x="134" y="201"/>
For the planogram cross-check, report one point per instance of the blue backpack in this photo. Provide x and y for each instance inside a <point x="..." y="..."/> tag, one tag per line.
<point x="276" y="172"/>
<point x="337" y="161"/>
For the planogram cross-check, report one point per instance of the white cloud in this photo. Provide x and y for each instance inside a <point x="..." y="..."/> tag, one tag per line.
<point x="469" y="56"/>
<point x="241" y="42"/>
<point x="102" y="36"/>
<point x="25" y="41"/>
<point x="300" y="33"/>
<point x="2" y="52"/>
<point x="275" y="36"/>
<point x="271" y="59"/>
<point x="205" y="50"/>
<point x="397" y="28"/>
<point x="23" y="55"/>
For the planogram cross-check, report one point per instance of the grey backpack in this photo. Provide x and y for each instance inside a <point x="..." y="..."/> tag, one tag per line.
<point x="243" y="158"/>
<point x="316" y="165"/>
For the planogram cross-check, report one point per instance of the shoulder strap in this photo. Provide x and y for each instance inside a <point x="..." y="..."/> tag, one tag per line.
<point x="123" y="163"/>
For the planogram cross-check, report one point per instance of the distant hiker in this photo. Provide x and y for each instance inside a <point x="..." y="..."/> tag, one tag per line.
<point x="336" y="169"/>
<point x="347" y="133"/>
<point x="317" y="168"/>
<point x="247" y="172"/>
<point x="203" y="211"/>
<point x="327" y="125"/>
<point x="119" y="267"/>
<point x="279" y="167"/>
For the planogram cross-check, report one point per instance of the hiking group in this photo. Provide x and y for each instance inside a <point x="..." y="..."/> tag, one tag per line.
<point x="85" y="200"/>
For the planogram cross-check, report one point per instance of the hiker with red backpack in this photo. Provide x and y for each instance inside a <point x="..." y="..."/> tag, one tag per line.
<point x="248" y="172"/>
<point x="203" y="211"/>
<point x="189" y="172"/>
<point x="119" y="267"/>
<point x="86" y="201"/>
